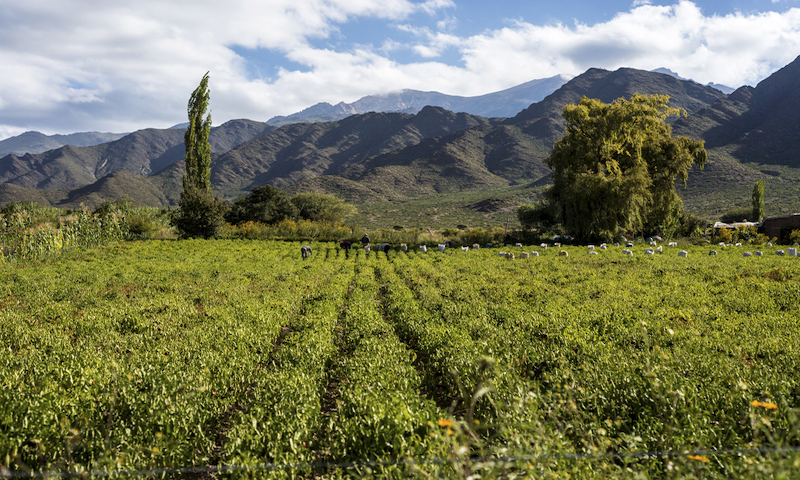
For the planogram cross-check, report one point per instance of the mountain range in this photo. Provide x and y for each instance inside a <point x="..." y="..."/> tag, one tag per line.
<point x="750" y="133"/>
<point x="505" y="103"/>
<point x="36" y="142"/>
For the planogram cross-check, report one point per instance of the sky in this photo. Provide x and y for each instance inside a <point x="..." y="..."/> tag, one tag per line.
<point x="119" y="66"/>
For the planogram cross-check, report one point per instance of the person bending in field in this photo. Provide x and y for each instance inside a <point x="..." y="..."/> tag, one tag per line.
<point x="346" y="246"/>
<point x="305" y="251"/>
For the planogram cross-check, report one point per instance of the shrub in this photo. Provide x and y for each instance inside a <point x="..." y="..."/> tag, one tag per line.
<point x="736" y="215"/>
<point x="121" y="205"/>
<point x="478" y="235"/>
<point x="724" y="235"/>
<point x="200" y="214"/>
<point x="794" y="237"/>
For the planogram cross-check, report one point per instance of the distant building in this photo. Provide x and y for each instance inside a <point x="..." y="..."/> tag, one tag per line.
<point x="780" y="227"/>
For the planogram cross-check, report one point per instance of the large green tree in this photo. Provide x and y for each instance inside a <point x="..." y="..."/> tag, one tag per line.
<point x="265" y="204"/>
<point x="321" y="207"/>
<point x="200" y="214"/>
<point x="615" y="168"/>
<point x="536" y="214"/>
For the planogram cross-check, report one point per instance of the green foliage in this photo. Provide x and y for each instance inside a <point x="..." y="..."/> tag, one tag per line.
<point x="199" y="215"/>
<point x="539" y="214"/>
<point x="153" y="355"/>
<point x="121" y="205"/>
<point x="265" y="204"/>
<point x="290" y="230"/>
<point x="616" y="166"/>
<point x="28" y="207"/>
<point x="138" y="222"/>
<point x="740" y="234"/>
<point x="481" y="236"/>
<point x="198" y="149"/>
<point x="23" y="234"/>
<point x="322" y="207"/>
<point x="736" y="215"/>
<point x="794" y="237"/>
<point x="758" y="201"/>
<point x="690" y="225"/>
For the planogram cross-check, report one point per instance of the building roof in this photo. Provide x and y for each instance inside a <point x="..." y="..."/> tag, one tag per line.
<point x="781" y="216"/>
<point x="737" y="224"/>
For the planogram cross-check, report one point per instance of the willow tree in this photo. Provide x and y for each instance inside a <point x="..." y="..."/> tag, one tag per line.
<point x="615" y="168"/>
<point x="200" y="214"/>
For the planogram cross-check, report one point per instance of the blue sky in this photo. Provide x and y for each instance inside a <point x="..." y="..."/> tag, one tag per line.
<point x="81" y="65"/>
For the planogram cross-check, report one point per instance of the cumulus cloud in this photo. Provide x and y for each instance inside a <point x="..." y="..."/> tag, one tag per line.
<point x="72" y="65"/>
<point x="735" y="49"/>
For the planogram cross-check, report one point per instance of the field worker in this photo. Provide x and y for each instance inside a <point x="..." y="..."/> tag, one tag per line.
<point x="305" y="251"/>
<point x="346" y="245"/>
<point x="384" y="247"/>
<point x="365" y="240"/>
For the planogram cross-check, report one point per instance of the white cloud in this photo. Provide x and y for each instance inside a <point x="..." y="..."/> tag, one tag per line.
<point x="734" y="49"/>
<point x="72" y="65"/>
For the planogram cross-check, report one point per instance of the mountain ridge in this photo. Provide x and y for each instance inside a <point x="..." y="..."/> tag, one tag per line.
<point x="37" y="142"/>
<point x="503" y="103"/>
<point x="396" y="156"/>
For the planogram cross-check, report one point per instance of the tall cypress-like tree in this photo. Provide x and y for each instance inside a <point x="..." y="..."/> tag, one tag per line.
<point x="198" y="149"/>
<point x="758" y="201"/>
<point x="200" y="214"/>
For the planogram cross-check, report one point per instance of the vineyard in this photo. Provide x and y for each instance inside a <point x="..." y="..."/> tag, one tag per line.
<point x="209" y="359"/>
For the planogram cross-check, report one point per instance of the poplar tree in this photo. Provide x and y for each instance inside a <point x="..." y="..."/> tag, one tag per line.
<point x="198" y="149"/>
<point x="614" y="170"/>
<point x="199" y="213"/>
<point x="758" y="201"/>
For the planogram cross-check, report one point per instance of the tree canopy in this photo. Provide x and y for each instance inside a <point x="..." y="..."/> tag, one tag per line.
<point x="265" y="204"/>
<point x="615" y="168"/>
<point x="321" y="207"/>
<point x="536" y="214"/>
<point x="268" y="204"/>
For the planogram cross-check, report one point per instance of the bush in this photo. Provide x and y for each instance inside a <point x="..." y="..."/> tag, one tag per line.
<point x="480" y="236"/>
<point x="736" y="215"/>
<point x="691" y="226"/>
<point x="121" y="205"/>
<point x="199" y="214"/>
